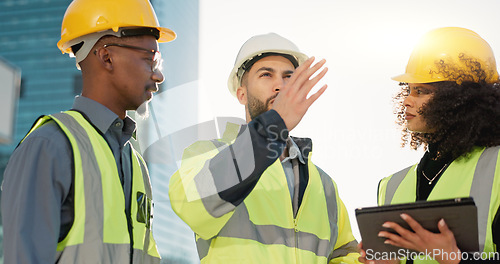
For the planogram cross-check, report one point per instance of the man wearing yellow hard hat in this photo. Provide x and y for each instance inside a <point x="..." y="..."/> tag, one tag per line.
<point x="449" y="103"/>
<point x="254" y="195"/>
<point x="75" y="190"/>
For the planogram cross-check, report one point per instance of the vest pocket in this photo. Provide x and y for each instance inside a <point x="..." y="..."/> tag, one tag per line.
<point x="143" y="209"/>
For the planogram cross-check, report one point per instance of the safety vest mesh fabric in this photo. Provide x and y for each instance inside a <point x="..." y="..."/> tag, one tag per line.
<point x="99" y="233"/>
<point x="477" y="176"/>
<point x="262" y="229"/>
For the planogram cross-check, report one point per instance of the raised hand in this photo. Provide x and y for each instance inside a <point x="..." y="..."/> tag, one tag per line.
<point x="292" y="102"/>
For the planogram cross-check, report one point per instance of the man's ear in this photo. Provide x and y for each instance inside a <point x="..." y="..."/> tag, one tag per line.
<point x="104" y="58"/>
<point x="241" y="94"/>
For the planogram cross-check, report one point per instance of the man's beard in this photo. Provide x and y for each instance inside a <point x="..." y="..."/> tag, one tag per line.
<point x="257" y="107"/>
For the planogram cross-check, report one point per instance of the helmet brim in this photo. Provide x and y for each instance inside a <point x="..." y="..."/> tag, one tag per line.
<point x="233" y="81"/>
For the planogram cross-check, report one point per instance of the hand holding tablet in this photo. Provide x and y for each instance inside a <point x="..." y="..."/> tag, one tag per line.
<point x="460" y="215"/>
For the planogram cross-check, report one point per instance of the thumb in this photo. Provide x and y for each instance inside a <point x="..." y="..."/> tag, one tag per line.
<point x="360" y="249"/>
<point x="443" y="228"/>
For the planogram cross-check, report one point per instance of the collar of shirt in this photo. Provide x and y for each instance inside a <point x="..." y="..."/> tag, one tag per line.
<point x="293" y="151"/>
<point x="103" y="118"/>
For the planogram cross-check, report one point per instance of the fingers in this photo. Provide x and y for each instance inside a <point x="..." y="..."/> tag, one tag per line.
<point x="316" y="95"/>
<point x="303" y="85"/>
<point x="443" y="229"/>
<point x="303" y="67"/>
<point x="362" y="253"/>
<point x="415" y="226"/>
<point x="363" y="258"/>
<point x="360" y="246"/>
<point x="404" y="237"/>
<point x="306" y="75"/>
<point x="292" y="102"/>
<point x="395" y="240"/>
<point x="300" y="80"/>
<point x="420" y="239"/>
<point x="360" y="249"/>
<point x="312" y="82"/>
<point x="399" y="229"/>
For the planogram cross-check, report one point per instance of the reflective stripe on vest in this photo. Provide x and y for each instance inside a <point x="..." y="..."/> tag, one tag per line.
<point x="393" y="184"/>
<point x="240" y="226"/>
<point x="142" y="214"/>
<point x="480" y="189"/>
<point x="90" y="239"/>
<point x="208" y="186"/>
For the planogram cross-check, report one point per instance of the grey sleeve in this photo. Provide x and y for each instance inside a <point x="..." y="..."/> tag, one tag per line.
<point x="36" y="182"/>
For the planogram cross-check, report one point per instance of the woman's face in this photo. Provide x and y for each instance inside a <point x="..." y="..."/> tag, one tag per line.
<point x="419" y="95"/>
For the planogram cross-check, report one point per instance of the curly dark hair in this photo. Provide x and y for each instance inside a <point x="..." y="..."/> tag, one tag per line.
<point x="463" y="114"/>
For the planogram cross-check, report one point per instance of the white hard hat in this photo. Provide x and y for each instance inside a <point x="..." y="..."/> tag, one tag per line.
<point x="257" y="46"/>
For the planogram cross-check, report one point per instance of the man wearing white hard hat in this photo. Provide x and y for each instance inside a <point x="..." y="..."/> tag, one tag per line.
<point x="75" y="190"/>
<point x="254" y="195"/>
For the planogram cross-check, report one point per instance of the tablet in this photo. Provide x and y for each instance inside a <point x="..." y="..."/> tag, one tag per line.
<point x="460" y="214"/>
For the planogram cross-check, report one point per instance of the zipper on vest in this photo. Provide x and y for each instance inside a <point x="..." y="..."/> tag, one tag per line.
<point x="296" y="234"/>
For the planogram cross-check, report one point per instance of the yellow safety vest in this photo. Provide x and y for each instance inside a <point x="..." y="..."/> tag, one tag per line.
<point x="263" y="229"/>
<point x="477" y="176"/>
<point x="100" y="230"/>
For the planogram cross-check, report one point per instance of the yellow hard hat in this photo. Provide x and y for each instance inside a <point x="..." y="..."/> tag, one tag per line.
<point x="454" y="47"/>
<point x="256" y="46"/>
<point x="84" y="17"/>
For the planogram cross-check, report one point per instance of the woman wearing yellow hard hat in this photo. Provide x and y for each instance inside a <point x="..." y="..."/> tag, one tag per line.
<point x="449" y="103"/>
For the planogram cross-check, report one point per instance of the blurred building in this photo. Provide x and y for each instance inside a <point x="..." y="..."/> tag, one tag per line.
<point x="30" y="30"/>
<point x="49" y="82"/>
<point x="173" y="108"/>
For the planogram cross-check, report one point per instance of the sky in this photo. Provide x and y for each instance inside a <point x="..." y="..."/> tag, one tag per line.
<point x="365" y="43"/>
